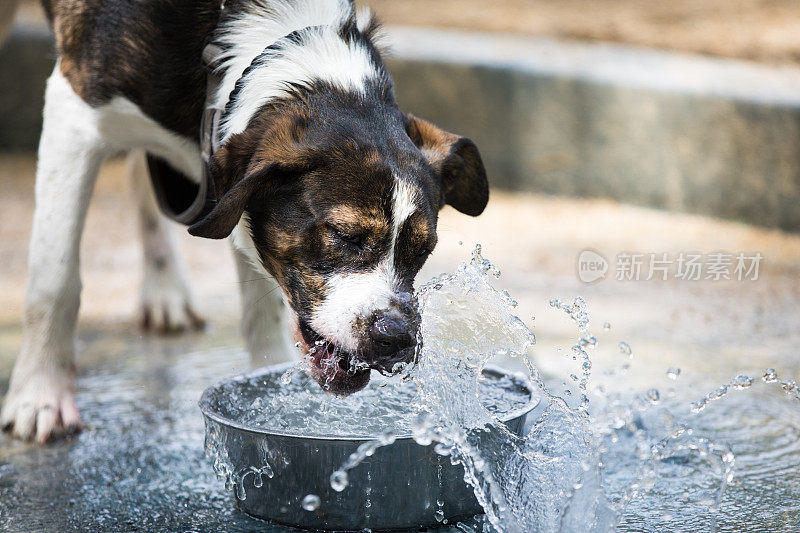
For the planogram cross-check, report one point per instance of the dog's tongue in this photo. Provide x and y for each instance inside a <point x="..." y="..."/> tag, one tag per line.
<point x="326" y="369"/>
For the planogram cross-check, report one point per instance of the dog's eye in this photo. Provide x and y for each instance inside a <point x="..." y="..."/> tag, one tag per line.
<point x="424" y="252"/>
<point x="354" y="240"/>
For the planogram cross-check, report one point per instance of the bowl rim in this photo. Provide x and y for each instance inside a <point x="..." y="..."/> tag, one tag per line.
<point x="204" y="401"/>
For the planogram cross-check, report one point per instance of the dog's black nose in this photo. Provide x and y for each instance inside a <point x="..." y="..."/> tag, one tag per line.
<point x="390" y="331"/>
<point x="393" y="338"/>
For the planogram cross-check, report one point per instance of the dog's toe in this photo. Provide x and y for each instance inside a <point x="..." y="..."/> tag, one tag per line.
<point x="70" y="416"/>
<point x="47" y="424"/>
<point x="24" y="422"/>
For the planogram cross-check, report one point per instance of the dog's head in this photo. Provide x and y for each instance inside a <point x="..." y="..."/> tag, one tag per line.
<point x="336" y="193"/>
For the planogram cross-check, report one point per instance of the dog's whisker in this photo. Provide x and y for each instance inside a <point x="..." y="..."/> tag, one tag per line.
<point x="265" y="295"/>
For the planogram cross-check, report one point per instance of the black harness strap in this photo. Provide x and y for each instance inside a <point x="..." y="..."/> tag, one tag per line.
<point x="180" y="198"/>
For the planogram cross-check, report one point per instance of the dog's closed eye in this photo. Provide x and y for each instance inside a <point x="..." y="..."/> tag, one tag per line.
<point x="352" y="239"/>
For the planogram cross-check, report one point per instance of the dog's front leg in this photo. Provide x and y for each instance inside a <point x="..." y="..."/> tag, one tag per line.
<point x="40" y="401"/>
<point x="264" y="324"/>
<point x="166" y="303"/>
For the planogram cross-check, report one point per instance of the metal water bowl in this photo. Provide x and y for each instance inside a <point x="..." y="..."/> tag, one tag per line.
<point x="403" y="482"/>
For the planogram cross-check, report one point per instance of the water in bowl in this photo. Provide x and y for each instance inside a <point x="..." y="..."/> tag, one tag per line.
<point x="299" y="406"/>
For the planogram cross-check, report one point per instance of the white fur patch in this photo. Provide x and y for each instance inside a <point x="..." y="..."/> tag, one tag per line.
<point x="320" y="55"/>
<point x="120" y="126"/>
<point x="75" y="139"/>
<point x="351" y="296"/>
<point x="403" y="206"/>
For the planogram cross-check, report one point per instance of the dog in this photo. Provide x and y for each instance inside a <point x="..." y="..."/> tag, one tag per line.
<point x="272" y="122"/>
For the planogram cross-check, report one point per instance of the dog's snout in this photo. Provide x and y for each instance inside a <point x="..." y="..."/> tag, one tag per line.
<point x="391" y="332"/>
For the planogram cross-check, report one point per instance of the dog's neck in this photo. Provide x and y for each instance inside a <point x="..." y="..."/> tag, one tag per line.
<point x="267" y="50"/>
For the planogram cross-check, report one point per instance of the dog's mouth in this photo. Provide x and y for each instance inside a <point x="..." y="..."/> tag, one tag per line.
<point x="337" y="370"/>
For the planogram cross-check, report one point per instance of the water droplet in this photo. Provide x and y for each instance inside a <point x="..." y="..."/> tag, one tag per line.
<point x="584" y="405"/>
<point x="770" y="376"/>
<point x="577" y="311"/>
<point x="653" y="395"/>
<point x="673" y="372"/>
<point x="607" y="326"/>
<point x="339" y="480"/>
<point x="311" y="502"/>
<point x="588" y="340"/>
<point x="742" y="382"/>
<point x="509" y="300"/>
<point x="625" y="349"/>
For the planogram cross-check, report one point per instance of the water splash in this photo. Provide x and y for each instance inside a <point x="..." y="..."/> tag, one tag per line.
<point x="555" y="477"/>
<point x="523" y="483"/>
<point x="740" y="382"/>
<point x="216" y="446"/>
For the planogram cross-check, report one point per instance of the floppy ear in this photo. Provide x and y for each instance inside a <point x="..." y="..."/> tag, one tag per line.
<point x="456" y="161"/>
<point x="225" y="215"/>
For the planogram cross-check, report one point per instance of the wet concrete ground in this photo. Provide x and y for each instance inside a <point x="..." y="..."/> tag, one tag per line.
<point x="139" y="464"/>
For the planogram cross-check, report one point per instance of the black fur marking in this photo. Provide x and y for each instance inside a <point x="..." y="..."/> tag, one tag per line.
<point x="149" y="51"/>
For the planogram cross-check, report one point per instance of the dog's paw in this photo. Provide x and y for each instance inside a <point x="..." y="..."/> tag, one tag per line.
<point x="41" y="407"/>
<point x="166" y="304"/>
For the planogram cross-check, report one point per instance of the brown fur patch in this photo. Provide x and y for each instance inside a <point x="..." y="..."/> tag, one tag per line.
<point x="359" y="220"/>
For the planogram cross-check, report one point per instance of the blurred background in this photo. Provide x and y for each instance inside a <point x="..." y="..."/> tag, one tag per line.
<point x="617" y="126"/>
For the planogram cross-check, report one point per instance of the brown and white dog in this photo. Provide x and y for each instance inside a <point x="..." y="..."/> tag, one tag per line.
<point x="327" y="189"/>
